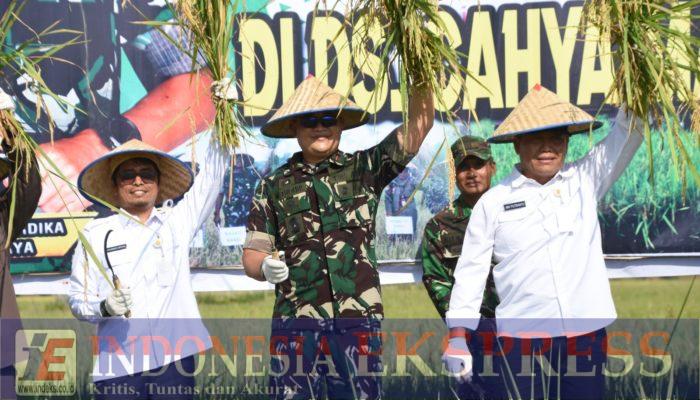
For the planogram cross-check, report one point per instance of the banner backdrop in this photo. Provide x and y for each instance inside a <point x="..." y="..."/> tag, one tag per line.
<point x="124" y="75"/>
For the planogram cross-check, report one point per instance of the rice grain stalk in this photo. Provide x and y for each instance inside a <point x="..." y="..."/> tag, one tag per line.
<point x="654" y="51"/>
<point x="22" y="59"/>
<point x="415" y="40"/>
<point x="208" y="26"/>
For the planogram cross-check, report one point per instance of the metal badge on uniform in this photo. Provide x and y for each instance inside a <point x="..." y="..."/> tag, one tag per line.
<point x="514" y="206"/>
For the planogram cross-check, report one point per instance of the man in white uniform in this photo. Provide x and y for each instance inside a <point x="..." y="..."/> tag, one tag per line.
<point x="541" y="228"/>
<point x="149" y="323"/>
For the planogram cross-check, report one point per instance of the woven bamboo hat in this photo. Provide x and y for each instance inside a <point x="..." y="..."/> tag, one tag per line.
<point x="313" y="96"/>
<point x="95" y="181"/>
<point x="541" y="110"/>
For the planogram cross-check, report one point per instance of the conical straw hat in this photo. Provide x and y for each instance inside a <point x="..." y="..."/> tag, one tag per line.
<point x="95" y="181"/>
<point x="541" y="110"/>
<point x="312" y="96"/>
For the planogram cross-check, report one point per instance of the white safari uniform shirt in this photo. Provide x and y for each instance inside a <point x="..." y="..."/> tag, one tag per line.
<point x="153" y="260"/>
<point x="545" y="240"/>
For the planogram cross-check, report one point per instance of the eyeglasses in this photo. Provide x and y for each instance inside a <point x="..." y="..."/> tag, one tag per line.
<point x="129" y="176"/>
<point x="312" y="121"/>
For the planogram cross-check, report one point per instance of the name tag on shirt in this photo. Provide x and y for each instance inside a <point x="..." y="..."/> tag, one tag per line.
<point x="514" y="206"/>
<point x="116" y="248"/>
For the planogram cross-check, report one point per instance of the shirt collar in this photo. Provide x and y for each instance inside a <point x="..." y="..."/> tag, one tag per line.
<point x="460" y="209"/>
<point x="296" y="162"/>
<point x="517" y="179"/>
<point x="125" y="218"/>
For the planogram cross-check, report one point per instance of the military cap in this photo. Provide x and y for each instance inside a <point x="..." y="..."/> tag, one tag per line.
<point x="470" y="146"/>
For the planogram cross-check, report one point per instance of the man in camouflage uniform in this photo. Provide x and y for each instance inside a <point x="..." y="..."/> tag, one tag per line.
<point x="443" y="238"/>
<point x="319" y="208"/>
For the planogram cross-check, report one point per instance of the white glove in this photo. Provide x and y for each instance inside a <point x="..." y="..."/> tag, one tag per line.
<point x="118" y="302"/>
<point x="224" y="89"/>
<point x="6" y="102"/>
<point x="457" y="359"/>
<point x="274" y="271"/>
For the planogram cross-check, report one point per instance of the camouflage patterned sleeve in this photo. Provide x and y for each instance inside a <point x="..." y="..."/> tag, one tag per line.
<point x="436" y="276"/>
<point x="387" y="160"/>
<point x="261" y="224"/>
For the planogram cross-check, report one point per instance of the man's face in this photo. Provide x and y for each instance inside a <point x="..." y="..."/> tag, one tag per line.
<point x="474" y="175"/>
<point x="318" y="135"/>
<point x="137" y="184"/>
<point x="541" y="155"/>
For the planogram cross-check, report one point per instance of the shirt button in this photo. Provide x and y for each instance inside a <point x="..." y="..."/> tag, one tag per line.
<point x="557" y="192"/>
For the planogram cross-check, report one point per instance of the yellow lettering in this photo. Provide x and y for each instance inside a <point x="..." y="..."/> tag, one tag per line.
<point x="675" y="48"/>
<point x="328" y="32"/>
<point x="521" y="60"/>
<point x="482" y="50"/>
<point x="256" y="31"/>
<point x="446" y="99"/>
<point x="369" y="64"/>
<point x="562" y="48"/>
<point x="287" y="57"/>
<point x="594" y="80"/>
<point x="396" y="100"/>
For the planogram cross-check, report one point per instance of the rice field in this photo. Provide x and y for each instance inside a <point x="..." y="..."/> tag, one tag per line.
<point x="644" y="306"/>
<point x="634" y="298"/>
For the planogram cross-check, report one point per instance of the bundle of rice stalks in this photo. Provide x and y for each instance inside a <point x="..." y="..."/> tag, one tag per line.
<point x="414" y="40"/>
<point x="656" y="55"/>
<point x="23" y="59"/>
<point x="204" y="32"/>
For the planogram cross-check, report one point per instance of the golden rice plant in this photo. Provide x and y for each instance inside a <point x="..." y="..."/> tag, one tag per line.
<point x="414" y="40"/>
<point x="205" y="29"/>
<point x="18" y="59"/>
<point x="24" y="58"/>
<point x="656" y="56"/>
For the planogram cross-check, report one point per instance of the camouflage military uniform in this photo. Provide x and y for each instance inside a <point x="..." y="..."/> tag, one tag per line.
<point x="441" y="247"/>
<point x="323" y="217"/>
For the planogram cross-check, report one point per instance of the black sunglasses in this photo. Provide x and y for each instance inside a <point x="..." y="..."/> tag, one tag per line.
<point x="129" y="176"/>
<point x="311" y="121"/>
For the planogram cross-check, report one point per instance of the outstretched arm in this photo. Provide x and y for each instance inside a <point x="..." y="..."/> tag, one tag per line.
<point x="421" y="115"/>
<point x="608" y="159"/>
<point x="197" y="204"/>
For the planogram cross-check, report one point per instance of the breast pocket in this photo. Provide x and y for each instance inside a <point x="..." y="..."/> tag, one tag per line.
<point x="120" y="260"/>
<point x="166" y="273"/>
<point x="296" y="220"/>
<point x="513" y="233"/>
<point x="356" y="205"/>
